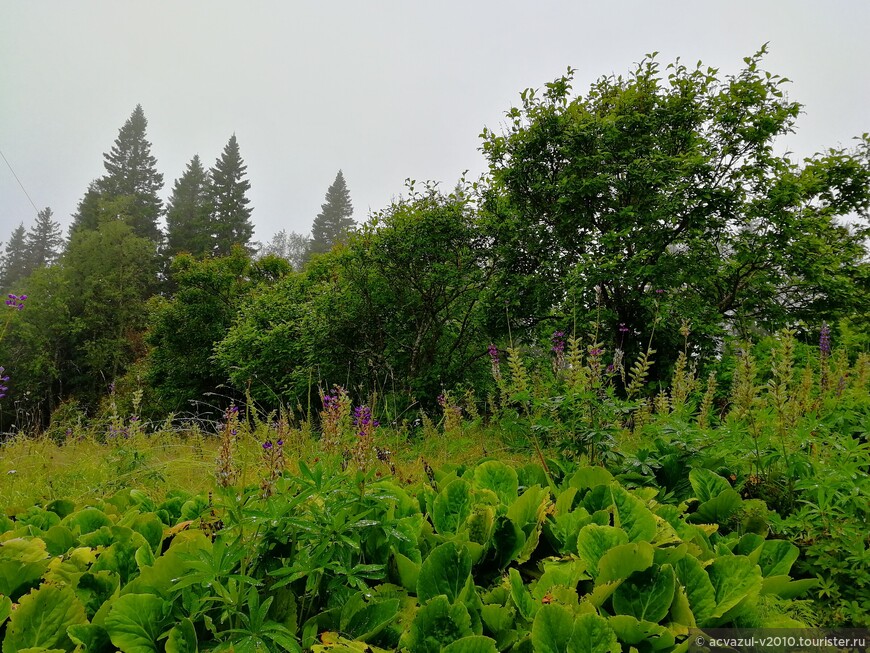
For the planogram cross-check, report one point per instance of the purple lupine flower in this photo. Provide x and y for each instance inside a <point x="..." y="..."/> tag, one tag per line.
<point x="493" y="353"/>
<point x="558" y="340"/>
<point x="825" y="340"/>
<point x="267" y="445"/>
<point x="15" y="301"/>
<point x="280" y="443"/>
<point x="596" y="351"/>
<point x="623" y="328"/>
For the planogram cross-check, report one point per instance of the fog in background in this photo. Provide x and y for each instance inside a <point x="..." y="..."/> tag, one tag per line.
<point x="382" y="90"/>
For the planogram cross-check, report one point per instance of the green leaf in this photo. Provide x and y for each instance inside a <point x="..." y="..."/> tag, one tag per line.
<point x="471" y="644"/>
<point x="521" y="596"/>
<point x="445" y="571"/>
<point x="61" y="507"/>
<point x="786" y="588"/>
<point x="508" y="540"/>
<point x="437" y="624"/>
<point x="592" y="634"/>
<point x="182" y="638"/>
<point x="150" y="527"/>
<point x="22" y="563"/>
<point x="590" y="477"/>
<point x="95" y="588"/>
<point x="135" y="622"/>
<point x="86" y="520"/>
<point x="552" y="629"/>
<point x="646" y="595"/>
<point x="452" y="507"/>
<point x="706" y="484"/>
<point x="42" y="618"/>
<point x="633" y="632"/>
<point x="406" y="571"/>
<point x="776" y="557"/>
<point x="92" y="639"/>
<point x="529" y="509"/>
<point x="623" y="560"/>
<point x="718" y="509"/>
<point x="372" y="619"/>
<point x="500" y="478"/>
<point x="58" y="540"/>
<point x="5" y="609"/>
<point x="593" y="541"/>
<point x="702" y="596"/>
<point x="734" y="578"/>
<point x="632" y="515"/>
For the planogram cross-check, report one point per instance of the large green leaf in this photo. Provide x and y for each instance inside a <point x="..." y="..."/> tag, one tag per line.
<point x="91" y="638"/>
<point x="452" y="507"/>
<point x="22" y="562"/>
<point x="42" y="618"/>
<point x="437" y="624"/>
<point x="592" y="634"/>
<point x="500" y="478"/>
<point x="94" y="588"/>
<point x="445" y="571"/>
<point x="632" y="515"/>
<point x="734" y="578"/>
<point x="471" y="644"/>
<point x="706" y="484"/>
<point x="182" y="638"/>
<point x="521" y="596"/>
<point x="590" y="477"/>
<point x="623" y="560"/>
<point x="775" y="557"/>
<point x="528" y="510"/>
<point x="634" y="631"/>
<point x="700" y="591"/>
<point x="552" y="628"/>
<point x="508" y="540"/>
<point x="786" y="588"/>
<point x="372" y="619"/>
<point x="135" y="622"/>
<point x="593" y="541"/>
<point x="646" y="595"/>
<point x="5" y="609"/>
<point x="718" y="509"/>
<point x="86" y="520"/>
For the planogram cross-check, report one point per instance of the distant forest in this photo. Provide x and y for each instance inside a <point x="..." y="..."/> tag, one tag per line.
<point x="650" y="215"/>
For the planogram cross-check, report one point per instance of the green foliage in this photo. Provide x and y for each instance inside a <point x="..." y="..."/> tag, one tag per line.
<point x="188" y="213"/>
<point x="231" y="217"/>
<point x="335" y="221"/>
<point x="657" y="196"/>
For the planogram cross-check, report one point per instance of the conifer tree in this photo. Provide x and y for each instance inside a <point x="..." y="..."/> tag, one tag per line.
<point x="44" y="241"/>
<point x="334" y="220"/>
<point x="231" y="215"/>
<point x="188" y="212"/>
<point x="15" y="263"/>
<point x="88" y="211"/>
<point x="131" y="170"/>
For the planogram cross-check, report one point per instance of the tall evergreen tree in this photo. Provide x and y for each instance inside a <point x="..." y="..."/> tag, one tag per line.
<point x="15" y="260"/>
<point x="88" y="211"/>
<point x="334" y="220"/>
<point x="188" y="212"/>
<point x="132" y="170"/>
<point x="44" y="241"/>
<point x="231" y="215"/>
<point x="131" y="183"/>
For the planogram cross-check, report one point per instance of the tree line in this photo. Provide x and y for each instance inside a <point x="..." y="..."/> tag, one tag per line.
<point x="652" y="212"/>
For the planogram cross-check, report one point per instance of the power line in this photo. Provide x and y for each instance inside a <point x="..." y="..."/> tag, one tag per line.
<point x="19" y="182"/>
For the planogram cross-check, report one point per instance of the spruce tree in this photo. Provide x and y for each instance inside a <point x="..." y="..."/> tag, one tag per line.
<point x="334" y="220"/>
<point x="231" y="216"/>
<point x="15" y="263"/>
<point x="188" y="212"/>
<point x="44" y="241"/>
<point x="131" y="182"/>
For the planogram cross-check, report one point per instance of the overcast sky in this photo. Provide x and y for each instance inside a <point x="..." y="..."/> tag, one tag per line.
<point x="382" y="90"/>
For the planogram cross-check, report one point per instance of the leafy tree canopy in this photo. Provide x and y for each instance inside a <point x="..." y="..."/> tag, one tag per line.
<point x="657" y="197"/>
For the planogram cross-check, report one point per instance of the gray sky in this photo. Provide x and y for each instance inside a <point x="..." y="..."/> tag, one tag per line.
<point x="383" y="90"/>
